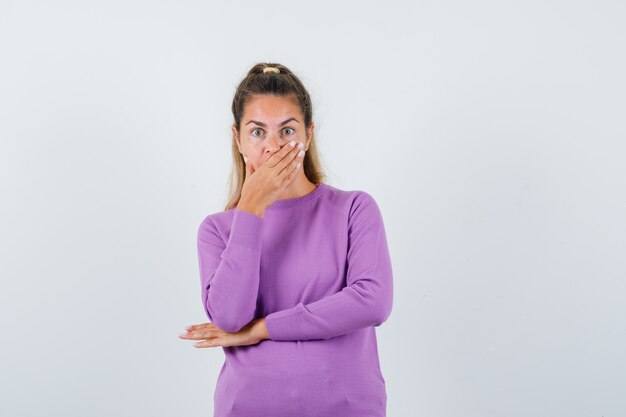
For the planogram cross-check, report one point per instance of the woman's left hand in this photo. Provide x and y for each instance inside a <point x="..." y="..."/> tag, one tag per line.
<point x="209" y="335"/>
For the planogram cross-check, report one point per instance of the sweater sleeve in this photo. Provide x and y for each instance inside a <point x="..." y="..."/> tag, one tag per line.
<point x="230" y="272"/>
<point x="367" y="298"/>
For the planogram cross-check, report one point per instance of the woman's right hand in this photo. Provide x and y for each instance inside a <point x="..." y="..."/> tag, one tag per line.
<point x="264" y="185"/>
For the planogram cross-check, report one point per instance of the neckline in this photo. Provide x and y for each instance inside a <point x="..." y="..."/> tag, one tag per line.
<point x="290" y="202"/>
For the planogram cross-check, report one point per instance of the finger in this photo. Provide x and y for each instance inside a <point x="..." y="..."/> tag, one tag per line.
<point x="248" y="166"/>
<point x="199" y="326"/>
<point x="187" y="335"/>
<point x="206" y="332"/>
<point x="197" y="336"/>
<point x="292" y="172"/>
<point x="280" y="154"/>
<point x="288" y="165"/>
<point x="207" y="343"/>
<point x="285" y="163"/>
<point x="195" y="327"/>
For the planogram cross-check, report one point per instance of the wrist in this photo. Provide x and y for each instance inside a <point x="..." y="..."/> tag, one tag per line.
<point x="254" y="208"/>
<point x="260" y="329"/>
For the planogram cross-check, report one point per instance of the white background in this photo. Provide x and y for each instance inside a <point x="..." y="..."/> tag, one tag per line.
<point x="491" y="133"/>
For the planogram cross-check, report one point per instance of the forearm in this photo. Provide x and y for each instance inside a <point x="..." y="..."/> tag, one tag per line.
<point x="230" y="272"/>
<point x="366" y="299"/>
<point x="355" y="307"/>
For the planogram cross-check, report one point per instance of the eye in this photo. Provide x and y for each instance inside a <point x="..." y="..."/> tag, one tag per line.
<point x="255" y="131"/>
<point x="288" y="128"/>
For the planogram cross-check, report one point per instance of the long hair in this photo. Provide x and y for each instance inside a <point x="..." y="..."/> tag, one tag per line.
<point x="284" y="84"/>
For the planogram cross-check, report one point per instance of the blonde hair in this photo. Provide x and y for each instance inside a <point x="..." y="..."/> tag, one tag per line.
<point x="284" y="84"/>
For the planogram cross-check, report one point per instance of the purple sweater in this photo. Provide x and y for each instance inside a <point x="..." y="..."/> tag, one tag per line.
<point x="317" y="267"/>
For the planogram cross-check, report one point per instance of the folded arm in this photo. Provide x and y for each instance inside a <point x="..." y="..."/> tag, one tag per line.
<point x="367" y="298"/>
<point x="230" y="272"/>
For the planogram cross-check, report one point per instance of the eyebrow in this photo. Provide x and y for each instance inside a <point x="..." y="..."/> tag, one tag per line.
<point x="280" y="124"/>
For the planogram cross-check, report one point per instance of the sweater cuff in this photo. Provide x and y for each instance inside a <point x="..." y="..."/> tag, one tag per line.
<point x="283" y="324"/>
<point x="246" y="229"/>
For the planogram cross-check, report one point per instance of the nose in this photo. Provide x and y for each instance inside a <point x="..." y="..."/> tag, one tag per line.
<point x="272" y="144"/>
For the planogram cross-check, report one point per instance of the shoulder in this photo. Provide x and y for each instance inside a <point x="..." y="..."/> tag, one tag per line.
<point x="215" y="226"/>
<point x="353" y="203"/>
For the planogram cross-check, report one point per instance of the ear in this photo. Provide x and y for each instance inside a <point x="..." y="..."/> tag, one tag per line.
<point x="309" y="136"/>
<point x="236" y="138"/>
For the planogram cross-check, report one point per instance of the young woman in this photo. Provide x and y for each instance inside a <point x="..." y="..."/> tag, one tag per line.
<point x="295" y="273"/>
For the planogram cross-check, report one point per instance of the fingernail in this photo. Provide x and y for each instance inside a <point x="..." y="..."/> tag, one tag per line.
<point x="300" y="145"/>
<point x="301" y="154"/>
<point x="292" y="143"/>
<point x="182" y="334"/>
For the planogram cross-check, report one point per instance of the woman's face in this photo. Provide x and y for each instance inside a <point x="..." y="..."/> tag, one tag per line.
<point x="269" y="122"/>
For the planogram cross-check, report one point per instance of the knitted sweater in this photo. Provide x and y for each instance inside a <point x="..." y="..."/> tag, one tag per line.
<point x="317" y="267"/>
